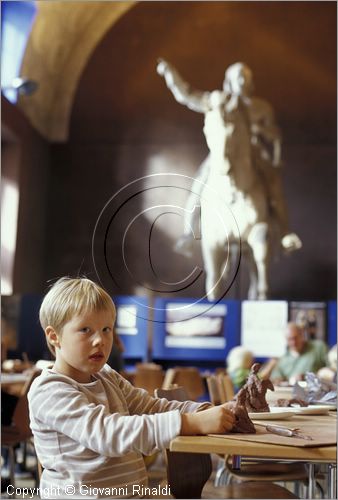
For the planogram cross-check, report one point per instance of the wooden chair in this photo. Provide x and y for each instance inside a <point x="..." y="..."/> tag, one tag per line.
<point x="148" y="377"/>
<point x="227" y="385"/>
<point x="187" y="377"/>
<point x="19" y="431"/>
<point x="40" y="469"/>
<point x="147" y="366"/>
<point x="213" y="389"/>
<point x="188" y="472"/>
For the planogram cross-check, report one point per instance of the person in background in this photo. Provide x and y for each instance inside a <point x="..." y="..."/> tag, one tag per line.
<point x="329" y="373"/>
<point x="301" y="356"/>
<point x="239" y="362"/>
<point x="90" y="425"/>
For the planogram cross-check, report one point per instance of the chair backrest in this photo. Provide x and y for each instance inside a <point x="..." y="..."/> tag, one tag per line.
<point x="33" y="373"/>
<point x="148" y="366"/>
<point x="187" y="377"/>
<point x="21" y="412"/>
<point x="148" y="379"/>
<point x="187" y="472"/>
<point x="220" y="388"/>
<point x="168" y="381"/>
<point x="228" y="386"/>
<point x="213" y="389"/>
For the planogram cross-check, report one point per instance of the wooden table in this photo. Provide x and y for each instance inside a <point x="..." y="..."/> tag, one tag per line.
<point x="13" y="383"/>
<point x="226" y="445"/>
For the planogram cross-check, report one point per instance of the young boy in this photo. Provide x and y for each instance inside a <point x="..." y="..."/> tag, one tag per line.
<point x="90" y="425"/>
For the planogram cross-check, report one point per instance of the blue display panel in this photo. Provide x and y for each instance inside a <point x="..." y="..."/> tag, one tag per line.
<point x="131" y="325"/>
<point x="332" y="322"/>
<point x="184" y="329"/>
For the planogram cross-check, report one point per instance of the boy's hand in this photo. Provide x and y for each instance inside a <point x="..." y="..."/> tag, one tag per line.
<point x="216" y="420"/>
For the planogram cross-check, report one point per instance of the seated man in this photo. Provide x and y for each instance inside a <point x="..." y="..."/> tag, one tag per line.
<point x="302" y="356"/>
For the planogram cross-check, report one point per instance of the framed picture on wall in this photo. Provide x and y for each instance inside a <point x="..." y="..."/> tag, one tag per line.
<point x="204" y="330"/>
<point x="185" y="329"/>
<point x="311" y="316"/>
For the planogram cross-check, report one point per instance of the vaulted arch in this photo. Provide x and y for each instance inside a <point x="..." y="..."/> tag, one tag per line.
<point x="62" y="40"/>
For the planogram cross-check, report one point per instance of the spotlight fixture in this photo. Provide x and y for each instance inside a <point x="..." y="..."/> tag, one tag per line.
<point x="22" y="85"/>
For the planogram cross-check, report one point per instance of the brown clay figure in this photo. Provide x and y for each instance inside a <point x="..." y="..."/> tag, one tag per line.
<point x="256" y="390"/>
<point x="243" y="423"/>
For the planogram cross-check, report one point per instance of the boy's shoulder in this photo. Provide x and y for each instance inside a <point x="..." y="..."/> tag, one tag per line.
<point x="49" y="378"/>
<point x="107" y="374"/>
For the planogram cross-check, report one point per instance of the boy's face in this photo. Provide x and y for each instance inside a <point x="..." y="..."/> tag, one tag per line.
<point x="84" y="345"/>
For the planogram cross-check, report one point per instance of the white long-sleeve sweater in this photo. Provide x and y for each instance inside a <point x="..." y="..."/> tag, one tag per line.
<point x="90" y="438"/>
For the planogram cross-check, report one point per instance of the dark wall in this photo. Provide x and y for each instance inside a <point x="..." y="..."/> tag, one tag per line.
<point x="25" y="159"/>
<point x="125" y="124"/>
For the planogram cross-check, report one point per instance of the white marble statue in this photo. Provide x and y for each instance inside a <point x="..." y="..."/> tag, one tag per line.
<point x="242" y="173"/>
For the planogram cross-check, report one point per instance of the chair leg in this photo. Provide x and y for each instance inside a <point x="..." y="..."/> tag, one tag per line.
<point x="24" y="455"/>
<point x="37" y="473"/>
<point x="11" y="463"/>
<point x="321" y="490"/>
<point x="296" y="488"/>
<point x="219" y="473"/>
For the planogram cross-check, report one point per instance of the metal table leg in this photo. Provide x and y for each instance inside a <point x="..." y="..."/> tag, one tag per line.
<point x="312" y="481"/>
<point x="221" y="470"/>
<point x="332" y="477"/>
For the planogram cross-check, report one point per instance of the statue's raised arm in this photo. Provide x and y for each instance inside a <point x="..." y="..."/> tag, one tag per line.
<point x="196" y="100"/>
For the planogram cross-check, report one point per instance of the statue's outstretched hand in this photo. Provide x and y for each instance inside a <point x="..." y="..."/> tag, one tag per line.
<point x="162" y="65"/>
<point x="291" y="242"/>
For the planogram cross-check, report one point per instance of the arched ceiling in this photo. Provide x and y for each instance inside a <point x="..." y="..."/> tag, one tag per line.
<point x="95" y="63"/>
<point x="63" y="37"/>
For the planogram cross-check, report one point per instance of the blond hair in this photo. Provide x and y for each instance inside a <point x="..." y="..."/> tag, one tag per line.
<point x="239" y="357"/>
<point x="69" y="297"/>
